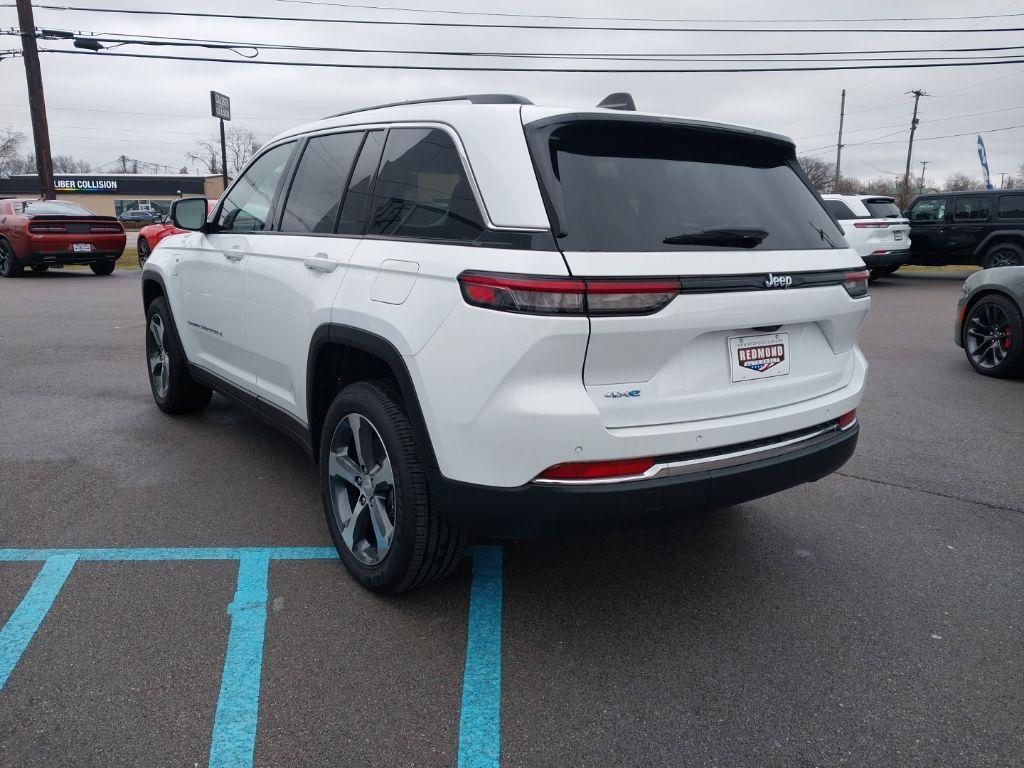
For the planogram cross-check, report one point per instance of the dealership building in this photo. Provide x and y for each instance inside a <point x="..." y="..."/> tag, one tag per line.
<point x="112" y="195"/>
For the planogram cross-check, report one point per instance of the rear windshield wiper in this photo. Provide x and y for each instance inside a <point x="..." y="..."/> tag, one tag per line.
<point x="821" y="233"/>
<point x="726" y="236"/>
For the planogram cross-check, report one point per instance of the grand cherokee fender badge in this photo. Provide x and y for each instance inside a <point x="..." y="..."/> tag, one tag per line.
<point x="778" y="281"/>
<point x="617" y="395"/>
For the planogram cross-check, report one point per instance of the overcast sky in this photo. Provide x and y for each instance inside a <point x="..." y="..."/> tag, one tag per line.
<point x="154" y="110"/>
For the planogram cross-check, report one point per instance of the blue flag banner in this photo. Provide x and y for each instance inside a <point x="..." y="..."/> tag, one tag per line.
<point x="983" y="156"/>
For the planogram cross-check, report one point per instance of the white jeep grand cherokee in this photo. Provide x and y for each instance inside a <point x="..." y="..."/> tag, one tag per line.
<point x="482" y="316"/>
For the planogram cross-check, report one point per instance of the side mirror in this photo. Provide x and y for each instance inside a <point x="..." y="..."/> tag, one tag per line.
<point x="189" y="213"/>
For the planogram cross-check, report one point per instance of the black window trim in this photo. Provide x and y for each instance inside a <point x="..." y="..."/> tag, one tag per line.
<point x="960" y="196"/>
<point x="999" y="200"/>
<point x="300" y="152"/>
<point x="275" y="198"/>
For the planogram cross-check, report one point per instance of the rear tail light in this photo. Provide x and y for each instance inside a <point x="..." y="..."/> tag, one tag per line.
<point x="566" y="295"/>
<point x="597" y="470"/>
<point x="871" y="224"/>
<point x="47" y="228"/>
<point x="856" y="283"/>
<point x="847" y="420"/>
<point x="105" y="228"/>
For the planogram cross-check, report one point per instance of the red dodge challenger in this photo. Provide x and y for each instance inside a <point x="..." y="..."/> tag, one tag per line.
<point x="51" y="233"/>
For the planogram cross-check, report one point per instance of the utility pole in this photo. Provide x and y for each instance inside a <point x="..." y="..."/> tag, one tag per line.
<point x="910" y="147"/>
<point x="223" y="156"/>
<point x="1002" y="180"/>
<point x="924" y="164"/>
<point x="839" y="144"/>
<point x="36" y="102"/>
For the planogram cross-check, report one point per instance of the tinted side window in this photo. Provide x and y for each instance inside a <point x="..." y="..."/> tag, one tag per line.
<point x="1011" y="206"/>
<point x="422" y="190"/>
<point x="247" y="205"/>
<point x="360" y="186"/>
<point x="971" y="208"/>
<point x="839" y="209"/>
<point x="933" y="209"/>
<point x="319" y="183"/>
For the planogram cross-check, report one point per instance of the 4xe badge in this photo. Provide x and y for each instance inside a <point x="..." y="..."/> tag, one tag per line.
<point x="778" y="281"/>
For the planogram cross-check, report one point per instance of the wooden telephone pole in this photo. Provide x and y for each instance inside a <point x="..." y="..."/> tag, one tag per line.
<point x="910" y="147"/>
<point x="36" y="102"/>
<point x="839" y="143"/>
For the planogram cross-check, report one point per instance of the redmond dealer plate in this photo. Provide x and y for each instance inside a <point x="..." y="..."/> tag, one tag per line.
<point x="758" y="357"/>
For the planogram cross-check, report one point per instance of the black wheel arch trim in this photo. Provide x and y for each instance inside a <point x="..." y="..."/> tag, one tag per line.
<point x="983" y="246"/>
<point x="380" y="347"/>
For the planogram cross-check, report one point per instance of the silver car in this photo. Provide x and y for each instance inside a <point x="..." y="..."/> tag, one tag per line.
<point x="990" y="321"/>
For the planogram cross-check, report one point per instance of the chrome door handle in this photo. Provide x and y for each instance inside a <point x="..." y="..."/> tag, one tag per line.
<point x="234" y="255"/>
<point x="320" y="263"/>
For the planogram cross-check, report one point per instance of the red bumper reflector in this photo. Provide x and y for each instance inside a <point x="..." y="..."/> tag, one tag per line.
<point x="597" y="470"/>
<point x="848" y="419"/>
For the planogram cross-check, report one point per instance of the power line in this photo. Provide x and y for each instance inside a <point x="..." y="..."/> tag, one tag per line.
<point x="142" y="39"/>
<point x="484" y="25"/>
<point x="548" y="70"/>
<point x="930" y="120"/>
<point x="508" y="14"/>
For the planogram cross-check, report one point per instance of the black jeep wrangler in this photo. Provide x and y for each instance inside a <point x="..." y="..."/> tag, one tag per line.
<point x="984" y="227"/>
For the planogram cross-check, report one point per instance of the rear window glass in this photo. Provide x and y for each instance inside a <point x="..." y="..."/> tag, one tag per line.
<point x="839" y="209"/>
<point x="636" y="186"/>
<point x="882" y="209"/>
<point x="1011" y="206"/>
<point x="971" y="208"/>
<point x="52" y="208"/>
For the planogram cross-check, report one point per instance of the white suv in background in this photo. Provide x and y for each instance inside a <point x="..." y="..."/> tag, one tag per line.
<point x="482" y="316"/>
<point x="874" y="228"/>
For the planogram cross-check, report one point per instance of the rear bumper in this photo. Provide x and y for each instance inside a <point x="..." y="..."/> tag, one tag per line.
<point x="539" y="511"/>
<point x="887" y="259"/>
<point x="53" y="258"/>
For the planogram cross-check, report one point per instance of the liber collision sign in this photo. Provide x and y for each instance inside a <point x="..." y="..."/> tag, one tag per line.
<point x="85" y="185"/>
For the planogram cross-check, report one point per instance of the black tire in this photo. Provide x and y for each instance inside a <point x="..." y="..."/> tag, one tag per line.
<point x="40" y="267"/>
<point x="978" y="320"/>
<point x="1004" y="255"/>
<point x="143" y="249"/>
<point x="875" y="273"/>
<point x="423" y="547"/>
<point x="103" y="267"/>
<point x="9" y="265"/>
<point x="182" y="394"/>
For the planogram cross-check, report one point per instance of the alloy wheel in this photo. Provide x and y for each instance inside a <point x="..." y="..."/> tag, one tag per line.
<point x="159" y="362"/>
<point x="143" y="252"/>
<point x="1004" y="257"/>
<point x="988" y="336"/>
<point x="362" y="489"/>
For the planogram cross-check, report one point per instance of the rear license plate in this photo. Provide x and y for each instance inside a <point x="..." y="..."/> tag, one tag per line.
<point x="897" y="235"/>
<point x="81" y="247"/>
<point x="758" y="357"/>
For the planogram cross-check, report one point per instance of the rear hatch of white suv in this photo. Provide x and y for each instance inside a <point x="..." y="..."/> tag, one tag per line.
<point x="742" y="295"/>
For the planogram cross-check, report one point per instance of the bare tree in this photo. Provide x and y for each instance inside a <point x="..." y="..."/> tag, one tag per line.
<point x="821" y="172"/>
<point x="883" y="185"/>
<point x="10" y="145"/>
<point x="960" y="182"/>
<point x="850" y="185"/>
<point x="241" y="145"/>
<point x="70" y="164"/>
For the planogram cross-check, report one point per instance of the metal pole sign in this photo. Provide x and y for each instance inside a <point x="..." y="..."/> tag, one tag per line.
<point x="220" y="105"/>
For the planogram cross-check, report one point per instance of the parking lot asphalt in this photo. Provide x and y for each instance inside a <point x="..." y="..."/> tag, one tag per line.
<point x="871" y="619"/>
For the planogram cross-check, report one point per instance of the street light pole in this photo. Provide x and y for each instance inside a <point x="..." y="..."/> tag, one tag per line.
<point x="36" y="102"/>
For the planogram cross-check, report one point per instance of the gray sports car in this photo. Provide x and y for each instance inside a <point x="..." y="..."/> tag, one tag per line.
<point x="990" y="321"/>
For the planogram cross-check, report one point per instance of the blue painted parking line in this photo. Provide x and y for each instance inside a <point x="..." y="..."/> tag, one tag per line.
<point x="234" y="725"/>
<point x="23" y="623"/>
<point x="235" y="722"/>
<point x="480" y="719"/>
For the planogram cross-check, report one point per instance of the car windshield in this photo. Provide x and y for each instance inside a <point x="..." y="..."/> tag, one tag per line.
<point x="627" y="185"/>
<point x="52" y="208"/>
<point x="883" y="208"/>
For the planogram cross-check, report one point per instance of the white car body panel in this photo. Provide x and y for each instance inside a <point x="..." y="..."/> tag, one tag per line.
<point x="504" y="395"/>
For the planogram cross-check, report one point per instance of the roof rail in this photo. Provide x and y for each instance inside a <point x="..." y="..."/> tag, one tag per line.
<point x="623" y="101"/>
<point x="472" y="98"/>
